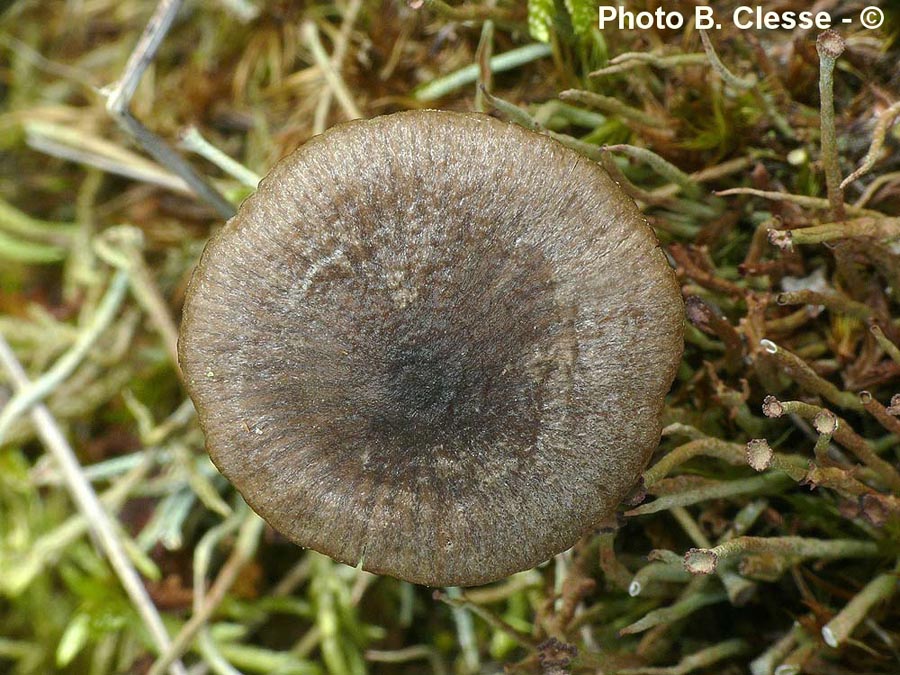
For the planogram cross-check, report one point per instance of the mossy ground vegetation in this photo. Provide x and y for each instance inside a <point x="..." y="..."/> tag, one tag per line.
<point x="765" y="534"/>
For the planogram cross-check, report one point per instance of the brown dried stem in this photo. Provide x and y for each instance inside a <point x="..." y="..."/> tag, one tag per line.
<point x="702" y="315"/>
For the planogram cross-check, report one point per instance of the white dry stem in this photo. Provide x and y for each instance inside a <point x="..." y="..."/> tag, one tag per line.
<point x="89" y="505"/>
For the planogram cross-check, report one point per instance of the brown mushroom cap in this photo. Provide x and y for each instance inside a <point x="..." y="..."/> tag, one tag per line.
<point x="435" y="344"/>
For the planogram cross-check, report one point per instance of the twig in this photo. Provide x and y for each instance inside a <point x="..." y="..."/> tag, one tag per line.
<point x="40" y="388"/>
<point x="310" y="34"/>
<point x="663" y="566"/>
<point x="630" y="60"/>
<point x="407" y="654"/>
<point x="800" y="200"/>
<point x="468" y="74"/>
<point x="465" y="630"/>
<point x="881" y="588"/>
<point x="744" y="84"/>
<point x="874" y="407"/>
<point x="515" y="584"/>
<point x="637" y="193"/>
<point x="202" y="559"/>
<point x="873" y="187"/>
<point x="726" y="168"/>
<point x="885" y="120"/>
<point x="461" y="602"/>
<point x="794" y="662"/>
<point x="18" y="222"/>
<point x="59" y="70"/>
<point x="764" y="664"/>
<point x="794" y="549"/>
<point x="337" y="60"/>
<point x="48" y="547"/>
<point x="119" y="97"/>
<point x="89" y="504"/>
<point x="83" y="148"/>
<point x="889" y="347"/>
<point x="741" y="84"/>
<point x="240" y="556"/>
<point x="121" y="247"/>
<point x="733" y="453"/>
<point x="483" y="55"/>
<point x="700" y="659"/>
<point x="471" y="12"/>
<point x="789" y="323"/>
<point x="193" y="141"/>
<point x="666" y="615"/>
<point x="730" y="488"/>
<point x="614" y="571"/>
<point x="694" y="262"/>
<point x="830" y="45"/>
<point x="883" y="228"/>
<point x="118" y="100"/>
<point x="706" y="318"/>
<point x="834" y="301"/>
<point x="511" y="111"/>
<point x="807" y="378"/>
<point x="843" y="433"/>
<point x="612" y="106"/>
<point x="661" y="166"/>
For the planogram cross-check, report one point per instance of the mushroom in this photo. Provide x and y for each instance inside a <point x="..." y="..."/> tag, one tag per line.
<point x="433" y="344"/>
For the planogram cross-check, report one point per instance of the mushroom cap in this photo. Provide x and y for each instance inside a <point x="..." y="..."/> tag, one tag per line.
<point x="434" y="344"/>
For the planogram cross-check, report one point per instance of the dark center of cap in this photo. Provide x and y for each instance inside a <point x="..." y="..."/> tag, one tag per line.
<point x="456" y="354"/>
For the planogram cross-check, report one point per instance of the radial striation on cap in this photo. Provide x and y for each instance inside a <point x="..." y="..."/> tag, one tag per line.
<point x="433" y="344"/>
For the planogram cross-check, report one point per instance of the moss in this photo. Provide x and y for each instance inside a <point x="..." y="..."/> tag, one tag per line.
<point x="252" y="87"/>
